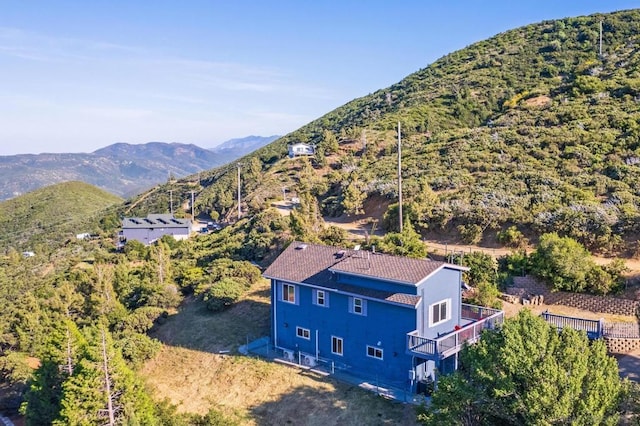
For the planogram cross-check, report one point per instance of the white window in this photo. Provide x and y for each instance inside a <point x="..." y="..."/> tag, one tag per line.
<point x="374" y="352"/>
<point x="357" y="306"/>
<point x="303" y="333"/>
<point x="321" y="298"/>
<point x="337" y="345"/>
<point x="289" y="293"/>
<point x="440" y="312"/>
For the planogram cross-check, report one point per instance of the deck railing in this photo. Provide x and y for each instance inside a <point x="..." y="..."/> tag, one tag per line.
<point x="593" y="328"/>
<point x="450" y="343"/>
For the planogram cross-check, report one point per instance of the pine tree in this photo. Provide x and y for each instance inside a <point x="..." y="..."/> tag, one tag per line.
<point x="42" y="400"/>
<point x="103" y="390"/>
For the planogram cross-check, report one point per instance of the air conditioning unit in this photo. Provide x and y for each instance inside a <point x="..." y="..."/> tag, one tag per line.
<point x="309" y="360"/>
<point x="288" y="355"/>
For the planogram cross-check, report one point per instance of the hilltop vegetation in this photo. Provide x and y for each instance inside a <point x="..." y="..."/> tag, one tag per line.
<point x="48" y="216"/>
<point x="531" y="128"/>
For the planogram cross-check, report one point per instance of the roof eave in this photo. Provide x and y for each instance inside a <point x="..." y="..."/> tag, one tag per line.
<point x="347" y="293"/>
<point x="353" y="274"/>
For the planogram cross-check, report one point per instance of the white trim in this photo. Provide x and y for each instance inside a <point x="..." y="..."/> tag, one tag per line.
<point x="362" y="306"/>
<point x="293" y="287"/>
<point x="448" y="307"/>
<point x="336" y="339"/>
<point x="316" y="297"/>
<point x="275" y="314"/>
<point x="375" y="350"/>
<point x="358" y="306"/>
<point x="301" y="332"/>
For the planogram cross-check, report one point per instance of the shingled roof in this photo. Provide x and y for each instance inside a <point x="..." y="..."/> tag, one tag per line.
<point x="312" y="264"/>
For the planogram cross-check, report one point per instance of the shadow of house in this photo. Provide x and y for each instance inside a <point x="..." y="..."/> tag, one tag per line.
<point x="195" y="327"/>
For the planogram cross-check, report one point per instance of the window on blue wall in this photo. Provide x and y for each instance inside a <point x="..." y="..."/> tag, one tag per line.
<point x="303" y="333"/>
<point x="374" y="352"/>
<point x="440" y="312"/>
<point x="358" y="306"/>
<point x="336" y="345"/>
<point x="289" y="293"/>
<point x="321" y="298"/>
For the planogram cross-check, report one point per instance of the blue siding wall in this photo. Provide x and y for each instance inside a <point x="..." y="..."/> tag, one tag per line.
<point x="376" y="284"/>
<point x="444" y="284"/>
<point x="384" y="323"/>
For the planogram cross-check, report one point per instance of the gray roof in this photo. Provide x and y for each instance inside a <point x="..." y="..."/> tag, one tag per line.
<point x="313" y="264"/>
<point x="155" y="221"/>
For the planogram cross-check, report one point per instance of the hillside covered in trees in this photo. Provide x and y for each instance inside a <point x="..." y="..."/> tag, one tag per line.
<point x="533" y="128"/>
<point x="47" y="216"/>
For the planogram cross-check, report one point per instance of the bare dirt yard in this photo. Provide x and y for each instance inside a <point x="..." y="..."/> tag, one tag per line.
<point x="196" y="373"/>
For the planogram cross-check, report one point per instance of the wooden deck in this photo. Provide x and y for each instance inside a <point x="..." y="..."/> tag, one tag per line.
<point x="444" y="346"/>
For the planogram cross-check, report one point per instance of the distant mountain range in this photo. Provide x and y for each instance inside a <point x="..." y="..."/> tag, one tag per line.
<point x="122" y="169"/>
<point x="229" y="150"/>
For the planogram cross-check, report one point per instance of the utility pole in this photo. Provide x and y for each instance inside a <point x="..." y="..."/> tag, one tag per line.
<point x="171" y="201"/>
<point x="600" y="39"/>
<point x="399" y="179"/>
<point x="192" y="216"/>
<point x="239" y="208"/>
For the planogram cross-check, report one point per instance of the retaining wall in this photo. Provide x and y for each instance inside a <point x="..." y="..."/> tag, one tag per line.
<point x="621" y="345"/>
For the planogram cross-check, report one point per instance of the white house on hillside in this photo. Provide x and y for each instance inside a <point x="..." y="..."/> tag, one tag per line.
<point x="298" y="149"/>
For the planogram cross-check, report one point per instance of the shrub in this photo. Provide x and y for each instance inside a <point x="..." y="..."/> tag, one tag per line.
<point x="512" y="237"/>
<point x="223" y="294"/>
<point x="470" y="233"/>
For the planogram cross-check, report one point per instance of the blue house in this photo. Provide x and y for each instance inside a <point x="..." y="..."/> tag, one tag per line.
<point x="392" y="319"/>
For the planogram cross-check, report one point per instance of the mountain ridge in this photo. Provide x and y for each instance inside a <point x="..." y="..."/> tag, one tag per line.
<point x="121" y="168"/>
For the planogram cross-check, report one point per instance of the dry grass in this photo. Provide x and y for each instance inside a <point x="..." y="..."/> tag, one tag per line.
<point x="192" y="374"/>
<point x="511" y="310"/>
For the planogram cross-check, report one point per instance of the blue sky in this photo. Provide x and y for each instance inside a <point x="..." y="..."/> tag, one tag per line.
<point x="76" y="76"/>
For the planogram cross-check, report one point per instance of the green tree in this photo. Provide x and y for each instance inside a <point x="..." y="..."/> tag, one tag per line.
<point x="224" y="293"/>
<point x="329" y="142"/>
<point x="405" y="243"/>
<point x="43" y="398"/>
<point x="483" y="277"/>
<point x="512" y="237"/>
<point x="561" y="261"/>
<point x="482" y="267"/>
<point x="354" y="196"/>
<point x="333" y="236"/>
<point x="567" y="265"/>
<point x="103" y="390"/>
<point x="528" y="373"/>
